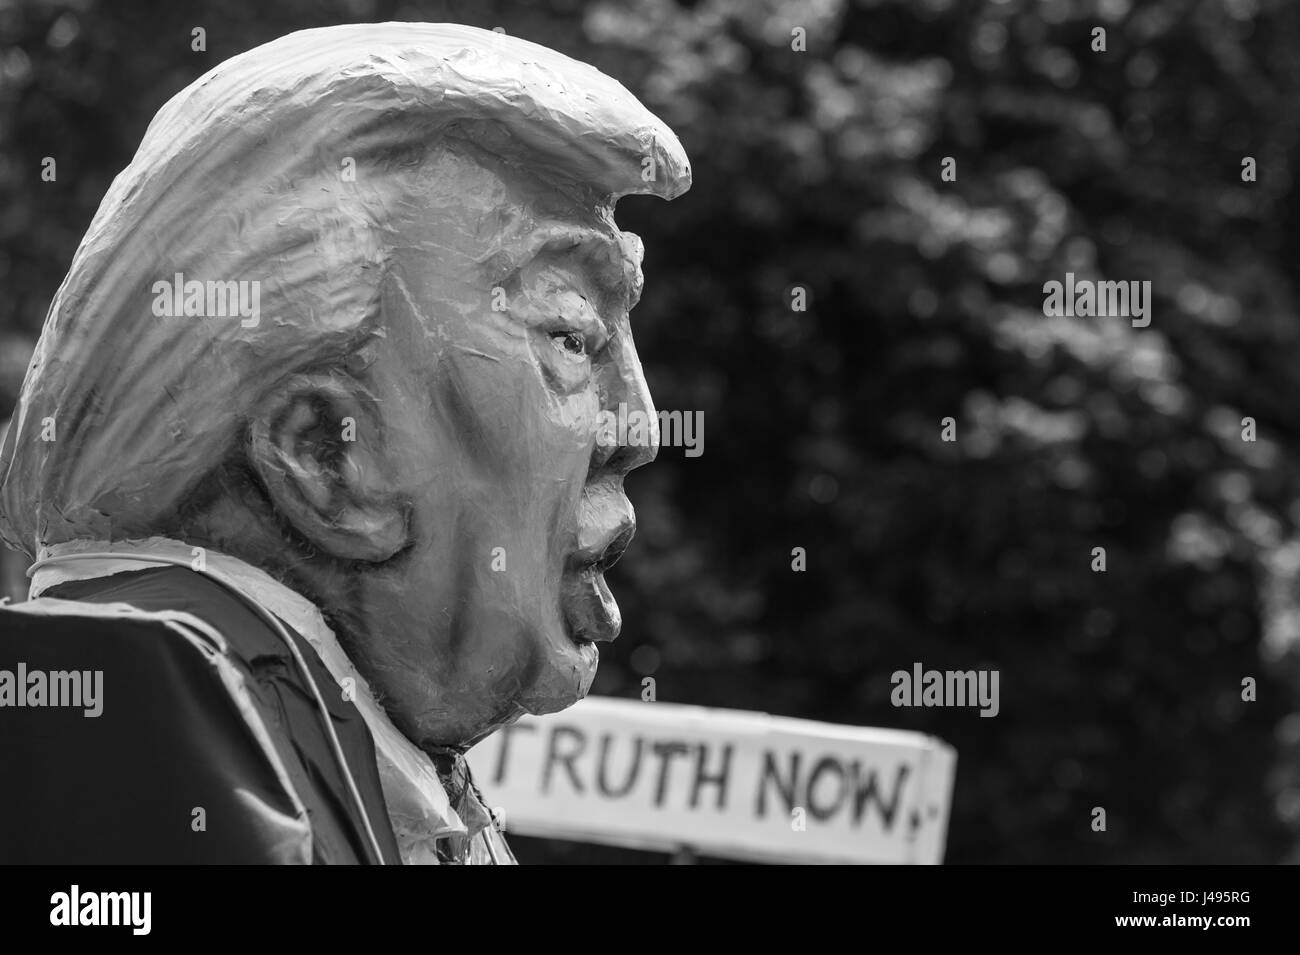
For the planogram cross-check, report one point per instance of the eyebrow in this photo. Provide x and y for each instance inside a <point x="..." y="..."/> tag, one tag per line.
<point x="602" y="253"/>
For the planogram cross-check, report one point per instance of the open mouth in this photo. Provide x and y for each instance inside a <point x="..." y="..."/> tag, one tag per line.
<point x="591" y="614"/>
<point x="597" y="562"/>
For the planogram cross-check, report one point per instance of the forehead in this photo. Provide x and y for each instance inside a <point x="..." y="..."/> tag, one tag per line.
<point x="611" y="258"/>
<point x="497" y="216"/>
<point x="485" y="218"/>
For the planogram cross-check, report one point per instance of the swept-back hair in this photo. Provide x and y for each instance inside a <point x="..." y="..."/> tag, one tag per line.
<point x="239" y="178"/>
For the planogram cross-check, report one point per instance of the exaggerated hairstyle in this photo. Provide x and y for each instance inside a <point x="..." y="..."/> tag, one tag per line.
<point x="239" y="177"/>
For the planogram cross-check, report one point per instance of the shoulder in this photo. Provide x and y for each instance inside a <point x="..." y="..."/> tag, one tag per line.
<point x="54" y="627"/>
<point x="136" y="738"/>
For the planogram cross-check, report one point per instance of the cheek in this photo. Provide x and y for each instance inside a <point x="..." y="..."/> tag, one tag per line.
<point x="575" y="418"/>
<point x="506" y="410"/>
<point x="468" y="617"/>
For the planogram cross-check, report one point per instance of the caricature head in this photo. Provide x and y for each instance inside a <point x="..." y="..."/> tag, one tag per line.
<point x="351" y="314"/>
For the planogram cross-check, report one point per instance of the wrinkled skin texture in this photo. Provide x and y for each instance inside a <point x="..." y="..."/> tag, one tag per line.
<point x="406" y="430"/>
<point x="476" y="431"/>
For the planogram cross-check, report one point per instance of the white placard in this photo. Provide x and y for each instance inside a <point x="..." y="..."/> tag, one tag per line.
<point x="726" y="783"/>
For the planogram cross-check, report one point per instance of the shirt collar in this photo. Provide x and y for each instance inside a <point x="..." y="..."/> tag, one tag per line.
<point x="418" y="806"/>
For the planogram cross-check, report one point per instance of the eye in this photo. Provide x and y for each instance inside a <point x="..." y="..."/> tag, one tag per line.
<point x="572" y="344"/>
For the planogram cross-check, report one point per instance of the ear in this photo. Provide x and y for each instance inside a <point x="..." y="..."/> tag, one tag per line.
<point x="318" y="447"/>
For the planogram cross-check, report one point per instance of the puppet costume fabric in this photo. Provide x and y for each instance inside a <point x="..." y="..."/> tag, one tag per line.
<point x="209" y="744"/>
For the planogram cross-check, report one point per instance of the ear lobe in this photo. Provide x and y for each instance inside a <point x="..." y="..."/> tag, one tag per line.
<point x="318" y="449"/>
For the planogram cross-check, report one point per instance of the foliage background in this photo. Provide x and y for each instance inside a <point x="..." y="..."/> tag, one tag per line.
<point x="821" y="169"/>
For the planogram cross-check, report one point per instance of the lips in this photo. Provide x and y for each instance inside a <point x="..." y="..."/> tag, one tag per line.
<point x="605" y="528"/>
<point x="600" y="559"/>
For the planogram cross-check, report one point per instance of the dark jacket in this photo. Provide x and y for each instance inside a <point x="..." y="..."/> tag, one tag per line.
<point x="180" y="765"/>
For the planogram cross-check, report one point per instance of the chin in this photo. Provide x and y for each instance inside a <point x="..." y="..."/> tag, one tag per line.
<point x="553" y="673"/>
<point x="566" y="675"/>
<point x="560" y="684"/>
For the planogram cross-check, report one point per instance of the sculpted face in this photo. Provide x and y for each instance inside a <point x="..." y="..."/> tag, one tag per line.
<point x="407" y="434"/>
<point x="506" y="314"/>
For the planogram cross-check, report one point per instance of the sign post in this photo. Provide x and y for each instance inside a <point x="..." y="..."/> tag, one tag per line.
<point x="726" y="783"/>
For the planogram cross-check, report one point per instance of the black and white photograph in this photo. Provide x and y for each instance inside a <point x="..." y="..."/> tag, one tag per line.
<point x="652" y="432"/>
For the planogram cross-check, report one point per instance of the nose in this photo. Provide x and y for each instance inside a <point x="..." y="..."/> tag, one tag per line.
<point x="626" y="396"/>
